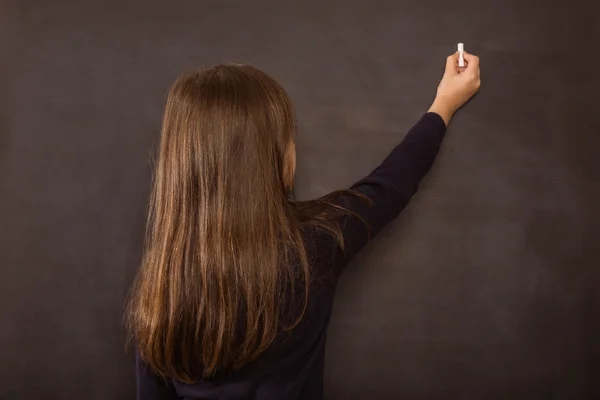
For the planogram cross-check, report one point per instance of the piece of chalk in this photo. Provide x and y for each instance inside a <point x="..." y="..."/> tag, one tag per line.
<point x="461" y="57"/>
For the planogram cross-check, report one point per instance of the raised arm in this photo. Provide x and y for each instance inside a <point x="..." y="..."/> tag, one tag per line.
<point x="392" y="184"/>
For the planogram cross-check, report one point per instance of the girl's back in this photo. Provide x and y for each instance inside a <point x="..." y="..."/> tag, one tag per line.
<point x="235" y="290"/>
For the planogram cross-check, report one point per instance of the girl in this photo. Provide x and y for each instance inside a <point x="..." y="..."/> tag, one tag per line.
<point x="235" y="290"/>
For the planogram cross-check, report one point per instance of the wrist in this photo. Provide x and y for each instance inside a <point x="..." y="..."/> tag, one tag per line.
<point x="443" y="108"/>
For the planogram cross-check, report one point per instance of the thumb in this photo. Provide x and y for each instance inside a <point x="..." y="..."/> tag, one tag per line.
<point x="451" y="64"/>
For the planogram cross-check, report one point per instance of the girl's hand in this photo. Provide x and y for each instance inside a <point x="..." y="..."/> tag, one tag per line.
<point x="457" y="86"/>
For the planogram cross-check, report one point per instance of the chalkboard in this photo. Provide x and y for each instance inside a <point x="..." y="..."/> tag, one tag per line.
<point x="485" y="287"/>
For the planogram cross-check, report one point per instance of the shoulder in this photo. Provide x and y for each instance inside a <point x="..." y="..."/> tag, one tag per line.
<point x="323" y="252"/>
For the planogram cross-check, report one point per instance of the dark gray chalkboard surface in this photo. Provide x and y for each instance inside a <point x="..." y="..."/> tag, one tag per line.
<point x="486" y="287"/>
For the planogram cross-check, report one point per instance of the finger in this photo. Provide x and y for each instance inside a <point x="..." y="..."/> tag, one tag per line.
<point x="472" y="59"/>
<point x="452" y="63"/>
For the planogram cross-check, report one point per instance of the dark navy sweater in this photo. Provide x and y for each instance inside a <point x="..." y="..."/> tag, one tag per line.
<point x="292" y="368"/>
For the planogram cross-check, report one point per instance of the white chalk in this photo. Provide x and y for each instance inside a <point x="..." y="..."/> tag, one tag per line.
<point x="461" y="57"/>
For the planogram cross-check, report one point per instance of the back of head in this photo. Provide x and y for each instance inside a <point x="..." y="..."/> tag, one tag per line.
<point x="222" y="232"/>
<point x="231" y="125"/>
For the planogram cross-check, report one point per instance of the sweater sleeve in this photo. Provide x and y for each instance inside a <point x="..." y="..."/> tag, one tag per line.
<point x="389" y="188"/>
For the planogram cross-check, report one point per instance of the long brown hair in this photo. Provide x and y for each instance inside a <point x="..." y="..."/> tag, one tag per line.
<point x="224" y="252"/>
